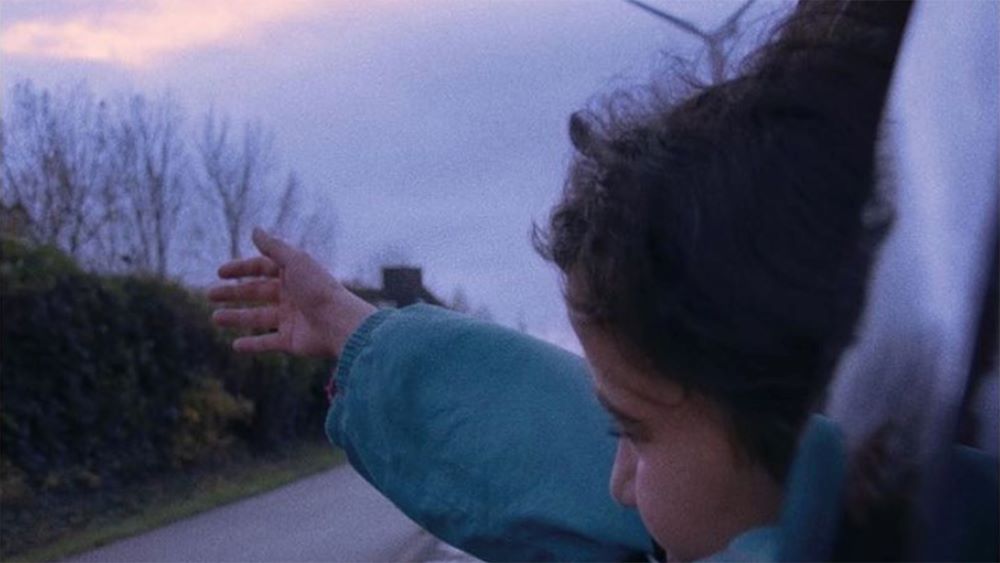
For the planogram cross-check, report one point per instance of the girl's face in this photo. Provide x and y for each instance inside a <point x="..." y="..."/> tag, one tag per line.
<point x="676" y="462"/>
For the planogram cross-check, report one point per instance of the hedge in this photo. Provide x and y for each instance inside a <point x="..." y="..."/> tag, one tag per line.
<point x="105" y="381"/>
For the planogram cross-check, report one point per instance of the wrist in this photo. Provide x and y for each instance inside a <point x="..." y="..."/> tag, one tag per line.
<point x="346" y="314"/>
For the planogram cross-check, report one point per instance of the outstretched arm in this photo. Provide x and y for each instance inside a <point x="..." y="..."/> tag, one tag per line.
<point x="489" y="439"/>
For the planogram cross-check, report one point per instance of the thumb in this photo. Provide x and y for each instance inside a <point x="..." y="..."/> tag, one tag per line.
<point x="273" y="247"/>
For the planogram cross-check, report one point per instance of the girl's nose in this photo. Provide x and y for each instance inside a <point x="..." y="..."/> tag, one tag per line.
<point x="623" y="474"/>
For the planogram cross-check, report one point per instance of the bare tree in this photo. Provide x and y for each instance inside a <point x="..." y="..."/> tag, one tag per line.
<point x="108" y="183"/>
<point x="316" y="231"/>
<point x="460" y="301"/>
<point x="236" y="174"/>
<point x="718" y="41"/>
<point x="151" y="162"/>
<point x="238" y="177"/>
<point x="4" y="165"/>
<point x="55" y="164"/>
<point x="289" y="202"/>
<point x="310" y="227"/>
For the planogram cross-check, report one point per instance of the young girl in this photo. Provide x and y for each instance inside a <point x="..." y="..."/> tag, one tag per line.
<point x="715" y="249"/>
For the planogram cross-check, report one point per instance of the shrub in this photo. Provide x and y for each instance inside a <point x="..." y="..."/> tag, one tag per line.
<point x="106" y="380"/>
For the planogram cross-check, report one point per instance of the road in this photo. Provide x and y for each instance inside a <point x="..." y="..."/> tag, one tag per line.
<point x="332" y="516"/>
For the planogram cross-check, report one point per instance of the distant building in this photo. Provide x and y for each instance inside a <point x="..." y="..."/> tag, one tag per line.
<point x="401" y="286"/>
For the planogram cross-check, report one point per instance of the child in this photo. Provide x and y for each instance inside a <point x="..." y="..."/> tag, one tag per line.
<point x="715" y="250"/>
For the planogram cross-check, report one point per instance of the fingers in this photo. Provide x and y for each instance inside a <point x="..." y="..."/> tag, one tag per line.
<point x="272" y="247"/>
<point x="261" y="266"/>
<point x="266" y="318"/>
<point x="271" y="342"/>
<point x="277" y="254"/>
<point x="257" y="291"/>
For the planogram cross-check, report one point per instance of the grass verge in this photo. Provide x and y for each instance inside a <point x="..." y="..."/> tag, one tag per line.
<point x="168" y="502"/>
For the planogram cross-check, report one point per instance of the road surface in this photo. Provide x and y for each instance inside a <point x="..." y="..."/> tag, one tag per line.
<point x="332" y="516"/>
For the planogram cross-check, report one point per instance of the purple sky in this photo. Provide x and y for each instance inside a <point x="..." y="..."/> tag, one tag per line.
<point x="435" y="130"/>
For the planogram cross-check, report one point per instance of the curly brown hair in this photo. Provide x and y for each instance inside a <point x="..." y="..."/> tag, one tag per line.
<point x="727" y="237"/>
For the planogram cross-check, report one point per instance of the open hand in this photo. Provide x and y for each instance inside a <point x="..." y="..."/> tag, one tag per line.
<point x="307" y="311"/>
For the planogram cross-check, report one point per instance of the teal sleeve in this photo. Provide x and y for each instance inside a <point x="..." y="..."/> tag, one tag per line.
<point x="489" y="439"/>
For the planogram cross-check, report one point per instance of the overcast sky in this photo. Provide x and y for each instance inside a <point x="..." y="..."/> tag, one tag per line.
<point x="435" y="130"/>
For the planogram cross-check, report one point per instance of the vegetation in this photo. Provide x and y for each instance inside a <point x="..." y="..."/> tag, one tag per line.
<point x="129" y="185"/>
<point x="110" y="382"/>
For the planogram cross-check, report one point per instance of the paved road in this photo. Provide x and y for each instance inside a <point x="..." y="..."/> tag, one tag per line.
<point x="333" y="516"/>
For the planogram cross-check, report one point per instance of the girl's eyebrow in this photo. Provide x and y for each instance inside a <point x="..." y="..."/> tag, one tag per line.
<point x="614" y="410"/>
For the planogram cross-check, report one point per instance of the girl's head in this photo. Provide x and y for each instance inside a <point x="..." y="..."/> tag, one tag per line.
<point x="716" y="251"/>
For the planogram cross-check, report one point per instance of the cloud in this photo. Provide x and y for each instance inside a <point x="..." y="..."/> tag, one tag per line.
<point x="137" y="33"/>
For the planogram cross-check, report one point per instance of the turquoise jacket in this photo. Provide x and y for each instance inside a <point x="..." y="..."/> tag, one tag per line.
<point x="494" y="442"/>
<point x="438" y="411"/>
